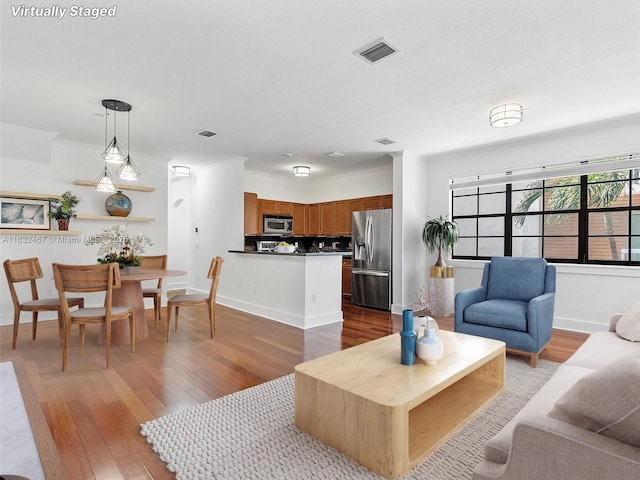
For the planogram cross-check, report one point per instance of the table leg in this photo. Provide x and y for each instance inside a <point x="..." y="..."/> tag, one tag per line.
<point x="130" y="293"/>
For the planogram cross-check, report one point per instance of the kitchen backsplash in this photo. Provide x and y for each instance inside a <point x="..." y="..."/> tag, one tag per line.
<point x="305" y="244"/>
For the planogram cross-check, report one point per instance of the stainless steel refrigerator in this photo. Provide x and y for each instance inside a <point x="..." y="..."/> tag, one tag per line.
<point x="371" y="261"/>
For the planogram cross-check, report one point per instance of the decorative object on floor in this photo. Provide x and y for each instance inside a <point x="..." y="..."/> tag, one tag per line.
<point x="505" y="115"/>
<point x="440" y="236"/>
<point x="25" y="213"/>
<point x="120" y="247"/>
<point x="62" y="209"/>
<point x="407" y="339"/>
<point x="301" y="171"/>
<point x="118" y="204"/>
<point x="178" y="301"/>
<point x="514" y="303"/>
<point x="429" y="347"/>
<point x="250" y="434"/>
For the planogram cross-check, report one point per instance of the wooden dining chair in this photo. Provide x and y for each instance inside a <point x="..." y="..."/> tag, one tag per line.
<point x="28" y="270"/>
<point x="154" y="262"/>
<point x="198" y="299"/>
<point x="91" y="278"/>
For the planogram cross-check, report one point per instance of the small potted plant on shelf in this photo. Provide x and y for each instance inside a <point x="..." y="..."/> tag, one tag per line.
<point x="119" y="247"/>
<point x="62" y="209"/>
<point x="440" y="234"/>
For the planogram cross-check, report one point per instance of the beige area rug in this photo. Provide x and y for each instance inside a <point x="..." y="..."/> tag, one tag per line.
<point x="251" y="435"/>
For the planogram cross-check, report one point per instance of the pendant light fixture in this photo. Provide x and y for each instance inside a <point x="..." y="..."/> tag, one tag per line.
<point x="114" y="153"/>
<point x="104" y="182"/>
<point x="128" y="170"/>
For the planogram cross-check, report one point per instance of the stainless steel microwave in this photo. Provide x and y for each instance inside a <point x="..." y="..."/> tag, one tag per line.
<point x="277" y="224"/>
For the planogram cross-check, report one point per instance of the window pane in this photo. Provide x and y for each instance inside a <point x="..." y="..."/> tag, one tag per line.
<point x="465" y="191"/>
<point x="491" y="226"/>
<point x="635" y="250"/>
<point x="465" y="205"/>
<point x="562" y="198"/>
<point x="492" y="203"/>
<point x="466" y="226"/>
<point x="561" y="224"/>
<point x="489" y="247"/>
<point x="609" y="194"/>
<point x="465" y="247"/>
<point x="608" y="248"/>
<point x="527" y="225"/>
<point x="527" y="201"/>
<point x="493" y="188"/>
<point x="526" y="247"/>
<point x="608" y="223"/>
<point x="565" y="248"/>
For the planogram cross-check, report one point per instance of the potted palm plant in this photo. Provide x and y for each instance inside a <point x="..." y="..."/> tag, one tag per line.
<point x="440" y="235"/>
<point x="62" y="209"/>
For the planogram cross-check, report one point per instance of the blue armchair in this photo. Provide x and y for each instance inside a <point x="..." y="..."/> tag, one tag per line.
<point x="514" y="304"/>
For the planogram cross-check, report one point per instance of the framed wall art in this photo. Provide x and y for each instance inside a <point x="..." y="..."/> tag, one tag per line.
<point x="24" y="213"/>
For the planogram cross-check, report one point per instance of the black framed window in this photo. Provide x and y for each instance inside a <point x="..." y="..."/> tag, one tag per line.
<point x="590" y="218"/>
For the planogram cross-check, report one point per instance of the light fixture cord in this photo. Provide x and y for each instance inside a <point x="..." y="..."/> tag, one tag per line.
<point x="106" y="130"/>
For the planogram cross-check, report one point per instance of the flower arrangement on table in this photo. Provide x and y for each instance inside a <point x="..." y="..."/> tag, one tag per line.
<point x="118" y="246"/>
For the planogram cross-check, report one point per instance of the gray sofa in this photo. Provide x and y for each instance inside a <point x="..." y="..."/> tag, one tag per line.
<point x="533" y="445"/>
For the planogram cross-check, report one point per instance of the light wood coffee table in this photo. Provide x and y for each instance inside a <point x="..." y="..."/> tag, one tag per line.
<point x="387" y="416"/>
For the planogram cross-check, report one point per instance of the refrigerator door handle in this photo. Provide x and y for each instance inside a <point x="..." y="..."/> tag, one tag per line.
<point x="370" y="272"/>
<point x="370" y="239"/>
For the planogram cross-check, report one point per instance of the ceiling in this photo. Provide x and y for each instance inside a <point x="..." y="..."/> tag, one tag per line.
<point x="280" y="77"/>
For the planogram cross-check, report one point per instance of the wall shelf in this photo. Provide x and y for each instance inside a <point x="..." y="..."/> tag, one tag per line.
<point x="17" y="231"/>
<point x="136" y="188"/>
<point x="82" y="216"/>
<point x="34" y="196"/>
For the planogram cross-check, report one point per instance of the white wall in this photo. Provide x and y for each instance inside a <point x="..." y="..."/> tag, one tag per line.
<point x="34" y="161"/>
<point x="586" y="295"/>
<point x="309" y="190"/>
<point x="409" y="216"/>
<point x="217" y="211"/>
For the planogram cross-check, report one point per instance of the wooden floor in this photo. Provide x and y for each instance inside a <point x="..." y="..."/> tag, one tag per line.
<point x="94" y="413"/>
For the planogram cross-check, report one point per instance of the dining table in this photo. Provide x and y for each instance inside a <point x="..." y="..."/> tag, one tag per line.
<point x="130" y="294"/>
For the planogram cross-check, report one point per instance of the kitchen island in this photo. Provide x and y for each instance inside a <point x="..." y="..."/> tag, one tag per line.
<point x="299" y="289"/>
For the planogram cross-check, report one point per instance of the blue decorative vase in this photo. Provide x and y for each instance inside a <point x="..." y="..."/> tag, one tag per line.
<point x="118" y="205"/>
<point x="407" y="339"/>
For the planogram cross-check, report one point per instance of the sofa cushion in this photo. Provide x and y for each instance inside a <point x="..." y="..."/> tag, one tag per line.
<point x="516" y="278"/>
<point x="511" y="314"/>
<point x="606" y="401"/>
<point x="600" y="349"/>
<point x="497" y="449"/>
<point x="628" y="326"/>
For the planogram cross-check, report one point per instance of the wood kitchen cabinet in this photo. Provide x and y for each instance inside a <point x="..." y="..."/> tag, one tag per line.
<point x="313" y="219"/>
<point x="299" y="212"/>
<point x="346" y="277"/>
<point x="250" y="213"/>
<point x="276" y="207"/>
<point x="342" y="216"/>
<point x="327" y="218"/>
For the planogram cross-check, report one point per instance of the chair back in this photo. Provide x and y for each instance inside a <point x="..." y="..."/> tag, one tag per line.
<point x="154" y="262"/>
<point x="24" y="270"/>
<point x="214" y="275"/>
<point x="517" y="278"/>
<point x="86" y="278"/>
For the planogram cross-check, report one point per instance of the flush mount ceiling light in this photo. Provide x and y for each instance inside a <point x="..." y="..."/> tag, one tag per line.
<point x="180" y="171"/>
<point x="505" y="115"/>
<point x="301" y="171"/>
<point x="113" y="153"/>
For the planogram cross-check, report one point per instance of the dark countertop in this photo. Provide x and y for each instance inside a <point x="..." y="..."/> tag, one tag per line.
<point x="296" y="254"/>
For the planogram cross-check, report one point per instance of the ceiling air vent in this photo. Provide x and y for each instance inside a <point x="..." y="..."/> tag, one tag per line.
<point x="385" y="141"/>
<point x="376" y="51"/>
<point x="206" y="133"/>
